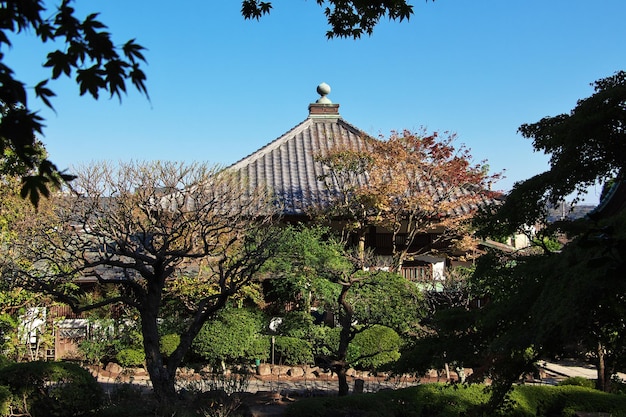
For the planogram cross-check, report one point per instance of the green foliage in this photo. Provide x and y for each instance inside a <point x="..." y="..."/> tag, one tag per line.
<point x="550" y="244"/>
<point x="5" y="400"/>
<point x="566" y="400"/>
<point x="86" y="52"/>
<point x="101" y="345"/>
<point x="588" y="312"/>
<point x="259" y="348"/>
<point x="293" y="351"/>
<point x="456" y="400"/>
<point x="586" y="146"/>
<point x="578" y="381"/>
<point x="346" y="18"/>
<point x="297" y="324"/>
<point x="374" y="348"/>
<point x="232" y="336"/>
<point x="305" y="266"/>
<point x="130" y="358"/>
<point x="107" y="337"/>
<point x="51" y="388"/>
<point x="169" y="343"/>
<point x="387" y="299"/>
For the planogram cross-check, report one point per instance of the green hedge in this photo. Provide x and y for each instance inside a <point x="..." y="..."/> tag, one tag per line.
<point x="169" y="343"/>
<point x="579" y="381"/>
<point x="130" y="358"/>
<point x="234" y="336"/>
<point x="566" y="400"/>
<point x="293" y="351"/>
<point x="5" y="400"/>
<point x="374" y="348"/>
<point x="442" y="400"/>
<point x="51" y="389"/>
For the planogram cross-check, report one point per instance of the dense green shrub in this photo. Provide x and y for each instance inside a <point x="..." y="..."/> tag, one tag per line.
<point x="566" y="400"/>
<point x="5" y="400"/>
<point x="107" y="337"/>
<point x="51" y="388"/>
<point x="129" y="358"/>
<point x="260" y="348"/>
<point x="371" y="349"/>
<point x="169" y="343"/>
<point x="293" y="351"/>
<point x="297" y="324"/>
<point x="4" y="361"/>
<point x="455" y="400"/>
<point x="578" y="381"/>
<point x="233" y="336"/>
<point x="374" y="348"/>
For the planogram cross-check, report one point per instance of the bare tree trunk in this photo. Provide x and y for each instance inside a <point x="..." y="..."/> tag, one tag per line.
<point x="345" y="320"/>
<point x="162" y="377"/>
<point x="601" y="366"/>
<point x="604" y="372"/>
<point x="342" y="378"/>
<point x="361" y="246"/>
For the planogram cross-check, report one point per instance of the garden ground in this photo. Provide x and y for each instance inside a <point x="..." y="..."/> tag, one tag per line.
<point x="267" y="395"/>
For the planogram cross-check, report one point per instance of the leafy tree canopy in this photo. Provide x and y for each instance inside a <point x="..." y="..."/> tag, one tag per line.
<point x="85" y="51"/>
<point x="541" y="303"/>
<point x="587" y="146"/>
<point x="346" y="18"/>
<point x="410" y="184"/>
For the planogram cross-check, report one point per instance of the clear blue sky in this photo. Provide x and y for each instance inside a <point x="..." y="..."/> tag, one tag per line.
<point x="222" y="87"/>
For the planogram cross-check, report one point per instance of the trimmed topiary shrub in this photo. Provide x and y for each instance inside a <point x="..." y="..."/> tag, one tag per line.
<point x="130" y="358"/>
<point x="51" y="389"/>
<point x="578" y="381"/>
<point x="374" y="348"/>
<point x="5" y="400"/>
<point x="453" y="400"/>
<point x="293" y="351"/>
<point x="297" y="324"/>
<point x="169" y="343"/>
<point x="371" y="349"/>
<point x="233" y="337"/>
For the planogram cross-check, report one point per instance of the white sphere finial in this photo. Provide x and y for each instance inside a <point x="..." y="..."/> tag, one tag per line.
<point x="323" y="90"/>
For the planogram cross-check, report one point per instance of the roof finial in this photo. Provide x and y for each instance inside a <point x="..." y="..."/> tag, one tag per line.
<point x="323" y="90"/>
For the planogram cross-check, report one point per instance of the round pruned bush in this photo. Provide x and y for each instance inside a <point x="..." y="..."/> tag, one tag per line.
<point x="130" y="358"/>
<point x="297" y="324"/>
<point x="374" y="347"/>
<point x="293" y="351"/>
<point x="169" y="343"/>
<point x="51" y="389"/>
<point x="578" y="381"/>
<point x="233" y="336"/>
<point x="5" y="400"/>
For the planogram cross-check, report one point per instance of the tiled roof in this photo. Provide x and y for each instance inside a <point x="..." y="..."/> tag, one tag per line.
<point x="288" y="165"/>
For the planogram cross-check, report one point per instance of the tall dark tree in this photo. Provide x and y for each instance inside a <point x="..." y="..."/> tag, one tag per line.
<point x="586" y="146"/>
<point x="542" y="303"/>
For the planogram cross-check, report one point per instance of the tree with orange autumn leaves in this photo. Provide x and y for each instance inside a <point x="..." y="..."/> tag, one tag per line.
<point x="411" y="184"/>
